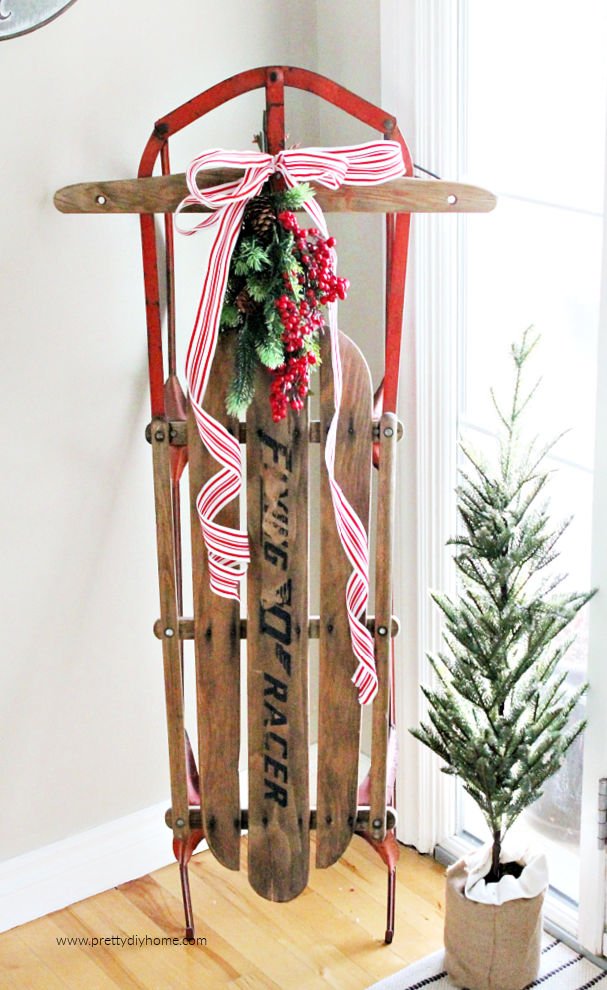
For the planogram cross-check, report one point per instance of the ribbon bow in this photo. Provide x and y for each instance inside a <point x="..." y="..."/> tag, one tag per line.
<point x="227" y="549"/>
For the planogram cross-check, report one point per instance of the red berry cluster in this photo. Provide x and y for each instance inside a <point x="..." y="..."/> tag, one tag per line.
<point x="324" y="286"/>
<point x="299" y="321"/>
<point x="290" y="385"/>
<point x="302" y="319"/>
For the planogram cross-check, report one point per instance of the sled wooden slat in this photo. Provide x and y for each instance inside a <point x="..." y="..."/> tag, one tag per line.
<point x="277" y="649"/>
<point x="163" y="193"/>
<point x="173" y="684"/>
<point x="216" y="644"/>
<point x="383" y="614"/>
<point x="339" y="709"/>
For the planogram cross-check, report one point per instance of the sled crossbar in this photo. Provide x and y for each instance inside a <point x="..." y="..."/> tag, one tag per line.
<point x="361" y="823"/>
<point x="162" y="194"/>
<point x="178" y="432"/>
<point x="185" y="627"/>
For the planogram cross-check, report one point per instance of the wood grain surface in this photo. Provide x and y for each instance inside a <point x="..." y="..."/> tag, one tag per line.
<point x="173" y="684"/>
<point x="216" y="641"/>
<point x="178" y="431"/>
<point x="331" y="937"/>
<point x="362" y="819"/>
<point x="277" y="648"/>
<point x="163" y="193"/>
<point x="186" y="627"/>
<point x="383" y="614"/>
<point x="338" y="707"/>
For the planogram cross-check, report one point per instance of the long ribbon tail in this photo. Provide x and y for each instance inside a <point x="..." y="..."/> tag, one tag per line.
<point x="355" y="543"/>
<point x="227" y="549"/>
<point x="351" y="530"/>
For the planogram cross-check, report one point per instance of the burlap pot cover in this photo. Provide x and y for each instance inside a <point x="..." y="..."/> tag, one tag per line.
<point x="490" y="946"/>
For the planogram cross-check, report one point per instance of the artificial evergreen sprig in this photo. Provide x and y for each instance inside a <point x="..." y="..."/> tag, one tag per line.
<point x="500" y="715"/>
<point x="280" y="276"/>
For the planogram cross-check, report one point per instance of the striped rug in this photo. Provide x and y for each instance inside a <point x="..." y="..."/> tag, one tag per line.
<point x="561" y="969"/>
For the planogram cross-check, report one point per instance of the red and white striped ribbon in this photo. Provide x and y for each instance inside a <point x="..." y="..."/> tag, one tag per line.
<point x="228" y="551"/>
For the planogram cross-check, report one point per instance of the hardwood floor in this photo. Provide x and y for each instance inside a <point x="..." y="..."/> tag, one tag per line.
<point x="330" y="936"/>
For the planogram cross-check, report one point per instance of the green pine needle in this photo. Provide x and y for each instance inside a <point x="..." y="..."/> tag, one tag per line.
<point x="271" y="352"/>
<point x="250" y="256"/>
<point x="294" y="199"/>
<point x="230" y="316"/>
<point x="258" y="289"/>
<point x="242" y="387"/>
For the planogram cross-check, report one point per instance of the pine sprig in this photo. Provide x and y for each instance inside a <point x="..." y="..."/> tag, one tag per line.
<point x="270" y="349"/>
<point x="294" y="199"/>
<point x="500" y="716"/>
<point x="280" y="276"/>
<point x="242" y="388"/>
<point x="250" y="256"/>
<point x="230" y="316"/>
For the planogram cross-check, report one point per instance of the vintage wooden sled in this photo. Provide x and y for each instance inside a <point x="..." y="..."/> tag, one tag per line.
<point x="205" y="797"/>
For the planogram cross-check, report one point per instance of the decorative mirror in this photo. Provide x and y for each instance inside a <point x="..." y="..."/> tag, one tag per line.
<point x="20" y="16"/>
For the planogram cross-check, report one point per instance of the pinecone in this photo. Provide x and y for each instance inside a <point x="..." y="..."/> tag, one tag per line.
<point x="260" y="216"/>
<point x="243" y="301"/>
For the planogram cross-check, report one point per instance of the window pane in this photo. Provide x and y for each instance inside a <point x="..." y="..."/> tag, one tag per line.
<point x="534" y="131"/>
<point x="529" y="264"/>
<point x="536" y="98"/>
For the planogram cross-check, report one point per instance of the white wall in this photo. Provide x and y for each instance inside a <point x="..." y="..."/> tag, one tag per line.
<point x="349" y="52"/>
<point x="81" y="700"/>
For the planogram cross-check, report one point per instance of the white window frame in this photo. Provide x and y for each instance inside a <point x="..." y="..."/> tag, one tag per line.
<point x="420" y="83"/>
<point x="423" y="83"/>
<point x="592" y="912"/>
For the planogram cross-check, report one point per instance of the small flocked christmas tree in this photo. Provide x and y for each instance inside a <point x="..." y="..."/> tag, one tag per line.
<point x="499" y="717"/>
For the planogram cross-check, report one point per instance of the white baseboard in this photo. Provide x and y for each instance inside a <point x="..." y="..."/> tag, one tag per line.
<point x="62" y="873"/>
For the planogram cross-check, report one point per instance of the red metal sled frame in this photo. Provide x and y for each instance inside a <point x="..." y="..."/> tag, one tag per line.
<point x="273" y="79"/>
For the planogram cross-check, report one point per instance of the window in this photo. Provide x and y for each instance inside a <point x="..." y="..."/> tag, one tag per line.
<point x="512" y="98"/>
<point x="533" y="131"/>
